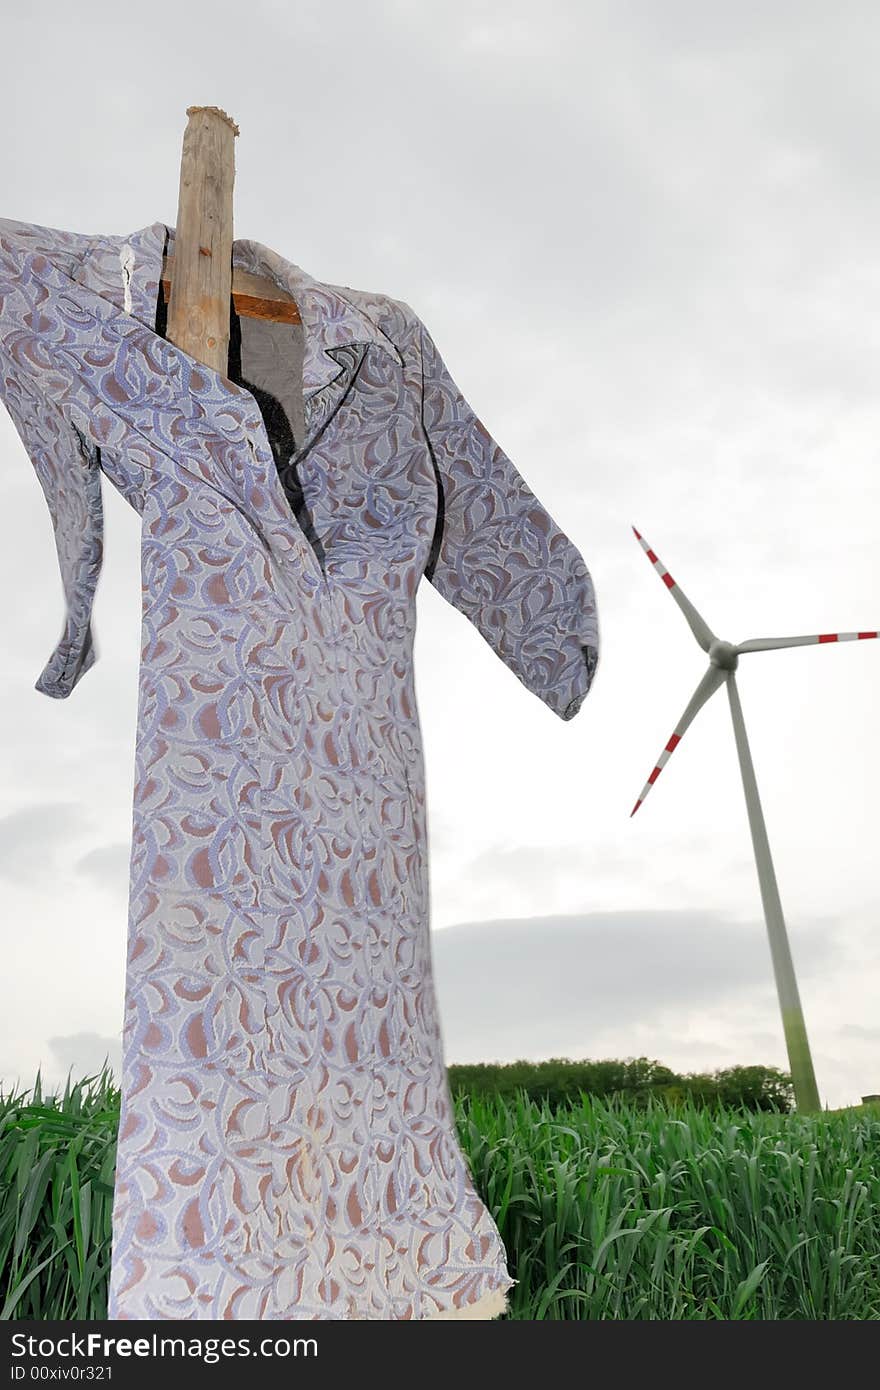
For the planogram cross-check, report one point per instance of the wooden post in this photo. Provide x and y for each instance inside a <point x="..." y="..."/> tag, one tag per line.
<point x="198" y="311"/>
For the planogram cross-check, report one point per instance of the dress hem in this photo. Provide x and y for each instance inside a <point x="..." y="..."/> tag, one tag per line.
<point x="491" y="1305"/>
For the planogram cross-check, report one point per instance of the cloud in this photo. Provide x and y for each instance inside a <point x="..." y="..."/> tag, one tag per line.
<point x="643" y="237"/>
<point x="538" y="869"/>
<point x="107" y="866"/>
<point x="558" y="985"/>
<point x="85" y="1053"/>
<point x="32" y="839"/>
<point x="855" y="1030"/>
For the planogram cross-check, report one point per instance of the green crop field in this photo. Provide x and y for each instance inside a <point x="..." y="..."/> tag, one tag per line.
<point x="609" y="1208"/>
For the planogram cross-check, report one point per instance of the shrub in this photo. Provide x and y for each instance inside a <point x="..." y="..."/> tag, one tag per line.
<point x="560" y="1081"/>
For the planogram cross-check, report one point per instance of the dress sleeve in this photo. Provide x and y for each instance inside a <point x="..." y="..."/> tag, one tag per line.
<point x="500" y="558"/>
<point x="67" y="465"/>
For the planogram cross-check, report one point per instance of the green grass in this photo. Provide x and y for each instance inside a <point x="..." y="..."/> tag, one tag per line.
<point x="608" y="1209"/>
<point x="614" y="1211"/>
<point x="57" y="1159"/>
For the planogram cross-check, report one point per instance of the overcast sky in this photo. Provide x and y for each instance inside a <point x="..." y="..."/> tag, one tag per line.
<point x="646" y="239"/>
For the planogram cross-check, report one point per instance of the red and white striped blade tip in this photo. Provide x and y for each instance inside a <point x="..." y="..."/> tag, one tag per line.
<point x="769" y="644"/>
<point x="695" y="621"/>
<point x="674" y="741"/>
<point x="655" y="560"/>
<point x="712" y="679"/>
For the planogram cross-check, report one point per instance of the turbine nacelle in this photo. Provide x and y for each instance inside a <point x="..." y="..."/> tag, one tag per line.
<point x="724" y="655"/>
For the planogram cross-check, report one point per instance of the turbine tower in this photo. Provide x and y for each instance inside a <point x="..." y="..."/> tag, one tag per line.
<point x="723" y="661"/>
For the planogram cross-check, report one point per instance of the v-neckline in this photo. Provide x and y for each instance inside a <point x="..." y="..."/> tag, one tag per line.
<point x="257" y="435"/>
<point x="222" y="390"/>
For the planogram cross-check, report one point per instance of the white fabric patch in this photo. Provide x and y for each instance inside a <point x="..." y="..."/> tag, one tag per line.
<point x="126" y="259"/>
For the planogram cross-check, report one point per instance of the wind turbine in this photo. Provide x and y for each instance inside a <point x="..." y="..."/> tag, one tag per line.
<point x="723" y="661"/>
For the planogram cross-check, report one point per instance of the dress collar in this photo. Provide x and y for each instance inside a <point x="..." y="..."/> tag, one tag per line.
<point x="330" y="318"/>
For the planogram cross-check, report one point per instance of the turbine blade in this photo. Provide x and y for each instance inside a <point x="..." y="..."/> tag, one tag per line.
<point x="714" y="677"/>
<point x="772" y="644"/>
<point x="697" y="624"/>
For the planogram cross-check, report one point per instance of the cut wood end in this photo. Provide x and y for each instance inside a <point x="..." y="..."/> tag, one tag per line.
<point x="218" y="111"/>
